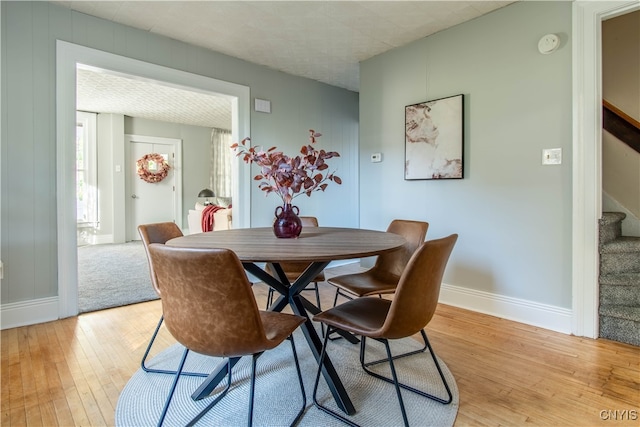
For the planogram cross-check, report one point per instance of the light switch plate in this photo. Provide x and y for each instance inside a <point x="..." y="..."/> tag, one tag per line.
<point x="376" y="157"/>
<point x="552" y="156"/>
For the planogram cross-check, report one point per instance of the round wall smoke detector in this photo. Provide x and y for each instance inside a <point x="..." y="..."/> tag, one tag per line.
<point x="548" y="43"/>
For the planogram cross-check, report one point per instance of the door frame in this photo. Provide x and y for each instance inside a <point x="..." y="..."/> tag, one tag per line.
<point x="587" y="157"/>
<point x="177" y="177"/>
<point x="68" y="57"/>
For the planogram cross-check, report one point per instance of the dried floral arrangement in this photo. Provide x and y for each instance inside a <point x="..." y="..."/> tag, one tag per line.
<point x="289" y="177"/>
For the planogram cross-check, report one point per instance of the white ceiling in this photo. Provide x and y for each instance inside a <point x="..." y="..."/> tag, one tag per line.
<point x="105" y="92"/>
<point x="320" y="40"/>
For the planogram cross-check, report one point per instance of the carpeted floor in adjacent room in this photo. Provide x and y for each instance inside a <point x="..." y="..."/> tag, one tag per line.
<point x="113" y="275"/>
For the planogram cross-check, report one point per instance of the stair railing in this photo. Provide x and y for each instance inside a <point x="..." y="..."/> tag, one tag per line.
<point x="621" y="125"/>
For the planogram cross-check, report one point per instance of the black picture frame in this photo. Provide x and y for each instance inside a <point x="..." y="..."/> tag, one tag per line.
<point x="434" y="139"/>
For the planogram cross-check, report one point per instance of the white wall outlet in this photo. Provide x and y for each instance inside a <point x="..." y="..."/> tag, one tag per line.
<point x="552" y="156"/>
<point x="376" y="157"/>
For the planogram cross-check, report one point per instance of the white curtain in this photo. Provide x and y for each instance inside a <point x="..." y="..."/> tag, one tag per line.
<point x="220" y="179"/>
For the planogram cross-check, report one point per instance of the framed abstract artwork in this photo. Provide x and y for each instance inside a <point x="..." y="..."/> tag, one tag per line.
<point x="434" y="139"/>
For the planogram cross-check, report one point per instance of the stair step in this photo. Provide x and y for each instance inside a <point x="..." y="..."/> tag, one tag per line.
<point x="619" y="281"/>
<point x="620" y="289"/>
<point x="622" y="244"/>
<point x="612" y="217"/>
<point x="620" y="323"/>
<point x="621" y="312"/>
<point x="625" y="279"/>
<point x="611" y="226"/>
<point x="621" y="255"/>
<point x="624" y="295"/>
<point x="619" y="263"/>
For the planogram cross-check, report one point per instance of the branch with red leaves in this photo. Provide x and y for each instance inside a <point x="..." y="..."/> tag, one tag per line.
<point x="287" y="176"/>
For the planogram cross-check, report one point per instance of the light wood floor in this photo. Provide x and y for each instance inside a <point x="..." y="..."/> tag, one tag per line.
<point x="70" y="372"/>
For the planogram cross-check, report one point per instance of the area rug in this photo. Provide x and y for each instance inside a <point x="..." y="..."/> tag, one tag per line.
<point x="113" y="275"/>
<point x="277" y="397"/>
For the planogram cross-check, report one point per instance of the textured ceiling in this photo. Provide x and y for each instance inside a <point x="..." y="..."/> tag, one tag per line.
<point x="320" y="40"/>
<point x="106" y="92"/>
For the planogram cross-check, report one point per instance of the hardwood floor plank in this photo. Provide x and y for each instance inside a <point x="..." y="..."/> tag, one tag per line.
<point x="17" y="417"/>
<point x="48" y="413"/>
<point x="33" y="417"/>
<point x="76" y="407"/>
<point x="71" y="372"/>
<point x="63" y="413"/>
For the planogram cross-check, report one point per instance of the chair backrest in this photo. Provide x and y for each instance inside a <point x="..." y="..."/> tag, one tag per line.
<point x="416" y="297"/>
<point x="395" y="262"/>
<point x="207" y="301"/>
<point x="309" y="221"/>
<point x="160" y="232"/>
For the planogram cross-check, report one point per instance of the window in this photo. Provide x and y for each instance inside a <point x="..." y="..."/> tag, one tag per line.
<point x="86" y="170"/>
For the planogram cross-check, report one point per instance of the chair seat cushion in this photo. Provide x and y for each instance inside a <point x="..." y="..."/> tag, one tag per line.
<point x="370" y="282"/>
<point x="362" y="316"/>
<point x="278" y="326"/>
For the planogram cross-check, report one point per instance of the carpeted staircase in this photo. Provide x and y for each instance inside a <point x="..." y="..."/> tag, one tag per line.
<point x="619" y="281"/>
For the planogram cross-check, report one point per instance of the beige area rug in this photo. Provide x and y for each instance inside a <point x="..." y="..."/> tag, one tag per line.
<point x="278" y="399"/>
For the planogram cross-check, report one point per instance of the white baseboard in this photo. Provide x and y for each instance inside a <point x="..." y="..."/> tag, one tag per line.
<point x="24" y="313"/>
<point x="546" y="316"/>
<point x="532" y="313"/>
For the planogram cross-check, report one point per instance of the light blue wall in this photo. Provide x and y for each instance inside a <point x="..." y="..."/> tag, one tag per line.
<point x="513" y="215"/>
<point x="28" y="157"/>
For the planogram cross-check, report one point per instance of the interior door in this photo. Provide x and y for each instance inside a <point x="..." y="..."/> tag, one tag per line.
<point x="150" y="202"/>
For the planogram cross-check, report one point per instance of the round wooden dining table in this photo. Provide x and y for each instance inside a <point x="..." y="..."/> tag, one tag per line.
<point x="316" y="245"/>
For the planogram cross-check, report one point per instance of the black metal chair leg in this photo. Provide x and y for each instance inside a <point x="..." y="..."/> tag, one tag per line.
<point x="395" y="382"/>
<point x="252" y="387"/>
<point x="269" y="297"/>
<point x="406" y="387"/>
<point x="323" y="354"/>
<point x="162" y="371"/>
<point x="304" y="396"/>
<point x="173" y="386"/>
<point x="409" y="353"/>
<point x="315" y="288"/>
<point x="218" y="398"/>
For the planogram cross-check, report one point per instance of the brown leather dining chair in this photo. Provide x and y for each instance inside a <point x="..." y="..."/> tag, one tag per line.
<point x="411" y="309"/>
<point x="383" y="277"/>
<point x="294" y="269"/>
<point x="209" y="308"/>
<point x="159" y="232"/>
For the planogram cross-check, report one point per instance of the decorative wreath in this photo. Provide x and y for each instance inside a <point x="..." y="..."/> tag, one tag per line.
<point x="155" y="161"/>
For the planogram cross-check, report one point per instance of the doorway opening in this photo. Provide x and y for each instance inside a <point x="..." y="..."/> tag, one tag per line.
<point x="68" y="58"/>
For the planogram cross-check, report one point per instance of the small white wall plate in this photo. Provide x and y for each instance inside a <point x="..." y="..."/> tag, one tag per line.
<point x="552" y="156"/>
<point x="262" y="105"/>
<point x="548" y="43"/>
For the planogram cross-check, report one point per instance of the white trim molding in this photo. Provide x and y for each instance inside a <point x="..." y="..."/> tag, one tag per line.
<point x="587" y="154"/>
<point x="30" y="312"/>
<point x="519" y="310"/>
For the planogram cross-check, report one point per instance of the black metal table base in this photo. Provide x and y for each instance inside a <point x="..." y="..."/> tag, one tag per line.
<point x="290" y="295"/>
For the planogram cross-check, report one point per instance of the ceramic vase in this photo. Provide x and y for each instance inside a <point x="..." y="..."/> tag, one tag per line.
<point x="287" y="224"/>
